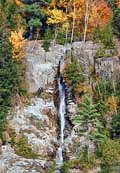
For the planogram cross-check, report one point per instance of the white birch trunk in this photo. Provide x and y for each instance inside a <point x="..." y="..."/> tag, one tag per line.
<point x="86" y="19"/>
<point x="66" y="28"/>
<point x="73" y="27"/>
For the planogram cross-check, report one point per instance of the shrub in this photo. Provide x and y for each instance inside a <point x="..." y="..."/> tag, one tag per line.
<point x="73" y="74"/>
<point x="46" y="45"/>
<point x="52" y="168"/>
<point x="22" y="148"/>
<point x="61" y="38"/>
<point x="48" y="35"/>
<point x="101" y="53"/>
<point x="115" y="125"/>
<point x="80" y="162"/>
<point x="105" y="36"/>
<point x="110" y="155"/>
<point x="116" y="21"/>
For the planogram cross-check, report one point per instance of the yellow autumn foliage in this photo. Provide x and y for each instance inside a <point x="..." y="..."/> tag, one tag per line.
<point x="19" y="3"/>
<point x="56" y="17"/>
<point x="112" y="104"/>
<point x="18" y="44"/>
<point x="67" y="11"/>
<point x="88" y="90"/>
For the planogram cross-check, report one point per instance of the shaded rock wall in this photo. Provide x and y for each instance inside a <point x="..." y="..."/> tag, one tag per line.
<point x="108" y="68"/>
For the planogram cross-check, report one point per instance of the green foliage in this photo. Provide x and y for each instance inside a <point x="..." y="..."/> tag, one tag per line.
<point x="102" y="90"/>
<point x="52" y="168"/>
<point x="11" y="15"/>
<point x="112" y="4"/>
<point x="22" y="148"/>
<point x="6" y="78"/>
<point x="88" y="119"/>
<point x="35" y="23"/>
<point x="118" y="89"/>
<point x="33" y="9"/>
<point x="46" y="45"/>
<point x="116" y="21"/>
<point x="87" y="113"/>
<point x="97" y="35"/>
<point x="115" y="125"/>
<point x="11" y="76"/>
<point x="102" y="53"/>
<point x="105" y="37"/>
<point x="81" y="162"/>
<point x="34" y="15"/>
<point x="61" y="37"/>
<point x="73" y="74"/>
<point x="108" y="37"/>
<point x="48" y="35"/>
<point x="110" y="155"/>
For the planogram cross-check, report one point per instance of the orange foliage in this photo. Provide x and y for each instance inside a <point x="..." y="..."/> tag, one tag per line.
<point x="118" y="3"/>
<point x="99" y="13"/>
<point x="104" y="13"/>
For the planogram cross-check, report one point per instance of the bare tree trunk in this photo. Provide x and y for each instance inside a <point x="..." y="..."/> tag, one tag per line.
<point x="89" y="131"/>
<point x="56" y="34"/>
<point x="66" y="28"/>
<point x="33" y="46"/>
<point x="86" y="19"/>
<point x="73" y="27"/>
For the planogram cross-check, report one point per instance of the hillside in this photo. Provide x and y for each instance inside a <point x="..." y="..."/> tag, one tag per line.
<point x="59" y="86"/>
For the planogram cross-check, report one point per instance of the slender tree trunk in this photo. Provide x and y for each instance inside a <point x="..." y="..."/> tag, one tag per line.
<point x="33" y="46"/>
<point x="56" y="34"/>
<point x="73" y="26"/>
<point x="99" y="91"/>
<point x="113" y="82"/>
<point x="86" y="19"/>
<point x="66" y="28"/>
<point x="89" y="130"/>
<point x="104" y="84"/>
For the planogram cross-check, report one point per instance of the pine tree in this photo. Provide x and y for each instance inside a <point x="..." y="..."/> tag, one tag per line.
<point x="35" y="18"/>
<point x="11" y="75"/>
<point x="88" y="121"/>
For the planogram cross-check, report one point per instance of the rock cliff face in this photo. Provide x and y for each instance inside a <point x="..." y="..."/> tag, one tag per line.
<point x="42" y="66"/>
<point x="38" y="120"/>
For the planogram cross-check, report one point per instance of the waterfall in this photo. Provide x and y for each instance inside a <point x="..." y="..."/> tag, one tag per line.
<point x="61" y="112"/>
<point x="62" y="108"/>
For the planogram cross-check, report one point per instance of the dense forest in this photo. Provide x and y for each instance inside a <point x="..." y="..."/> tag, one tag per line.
<point x="64" y="22"/>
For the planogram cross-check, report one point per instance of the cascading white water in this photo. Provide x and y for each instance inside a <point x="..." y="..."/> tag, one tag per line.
<point x="62" y="110"/>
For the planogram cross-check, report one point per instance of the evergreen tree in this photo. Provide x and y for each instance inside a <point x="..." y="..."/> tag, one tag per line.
<point x="88" y="121"/>
<point x="10" y="14"/>
<point x="11" y="74"/>
<point x="112" y="4"/>
<point x="35" y="17"/>
<point x="116" y="21"/>
<point x="115" y="125"/>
